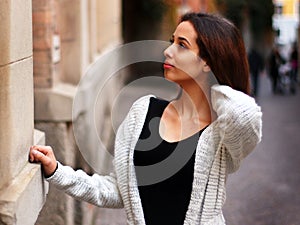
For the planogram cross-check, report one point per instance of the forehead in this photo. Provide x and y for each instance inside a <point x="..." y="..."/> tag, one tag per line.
<point x="187" y="30"/>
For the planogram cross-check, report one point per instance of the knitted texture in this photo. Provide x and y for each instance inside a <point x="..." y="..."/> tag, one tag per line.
<point x="220" y="150"/>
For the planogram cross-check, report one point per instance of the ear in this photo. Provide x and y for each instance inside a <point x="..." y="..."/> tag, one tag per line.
<point x="206" y="68"/>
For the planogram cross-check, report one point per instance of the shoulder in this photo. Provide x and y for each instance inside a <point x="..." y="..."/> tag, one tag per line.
<point x="233" y="105"/>
<point x="140" y="105"/>
<point x="136" y="113"/>
<point x="142" y="101"/>
<point x="225" y="93"/>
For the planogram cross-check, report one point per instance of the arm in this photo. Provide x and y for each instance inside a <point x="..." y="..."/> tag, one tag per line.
<point x="98" y="190"/>
<point x="240" y="122"/>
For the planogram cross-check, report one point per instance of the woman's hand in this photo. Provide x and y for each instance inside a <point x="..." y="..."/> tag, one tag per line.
<point x="44" y="155"/>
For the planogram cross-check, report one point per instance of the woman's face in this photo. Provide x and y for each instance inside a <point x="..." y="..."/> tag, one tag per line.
<point x="182" y="56"/>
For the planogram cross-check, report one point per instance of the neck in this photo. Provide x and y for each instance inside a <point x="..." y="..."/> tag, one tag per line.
<point x="194" y="102"/>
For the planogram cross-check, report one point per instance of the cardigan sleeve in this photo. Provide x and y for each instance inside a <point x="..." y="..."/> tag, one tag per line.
<point x="98" y="190"/>
<point x="240" y="123"/>
<point x="103" y="191"/>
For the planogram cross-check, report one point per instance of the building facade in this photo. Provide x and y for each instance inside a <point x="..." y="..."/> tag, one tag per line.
<point x="46" y="47"/>
<point x="286" y="21"/>
<point x="22" y="189"/>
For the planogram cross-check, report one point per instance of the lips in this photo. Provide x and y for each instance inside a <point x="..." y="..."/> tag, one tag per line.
<point x="168" y="66"/>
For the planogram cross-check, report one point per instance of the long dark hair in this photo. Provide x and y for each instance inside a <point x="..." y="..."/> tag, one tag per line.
<point x="222" y="47"/>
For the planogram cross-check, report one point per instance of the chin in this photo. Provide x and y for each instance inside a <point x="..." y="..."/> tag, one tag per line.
<point x="174" y="77"/>
<point x="168" y="77"/>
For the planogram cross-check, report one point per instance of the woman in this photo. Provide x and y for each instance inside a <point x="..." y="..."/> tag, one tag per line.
<point x="216" y="126"/>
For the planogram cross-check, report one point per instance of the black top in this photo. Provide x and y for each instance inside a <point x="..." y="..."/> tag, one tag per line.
<point x="164" y="170"/>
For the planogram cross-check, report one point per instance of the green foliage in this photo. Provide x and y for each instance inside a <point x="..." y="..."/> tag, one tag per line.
<point x="260" y="13"/>
<point x="152" y="9"/>
<point x="141" y="19"/>
<point x="233" y="10"/>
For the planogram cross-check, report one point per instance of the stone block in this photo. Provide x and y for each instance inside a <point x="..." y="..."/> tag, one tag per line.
<point x="59" y="208"/>
<point x="54" y="104"/>
<point x="15" y="22"/>
<point x="16" y="118"/>
<point x="26" y="193"/>
<point x="22" y="200"/>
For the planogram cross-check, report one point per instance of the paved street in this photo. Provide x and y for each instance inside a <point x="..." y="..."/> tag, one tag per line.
<point x="266" y="189"/>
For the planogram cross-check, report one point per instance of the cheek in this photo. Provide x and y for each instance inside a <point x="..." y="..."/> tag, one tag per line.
<point x="190" y="64"/>
<point x="180" y="74"/>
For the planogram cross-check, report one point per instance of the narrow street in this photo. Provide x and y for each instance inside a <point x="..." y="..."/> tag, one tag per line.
<point x="265" y="191"/>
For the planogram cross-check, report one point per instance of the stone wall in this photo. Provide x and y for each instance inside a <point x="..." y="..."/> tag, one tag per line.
<point x="46" y="47"/>
<point x="22" y="189"/>
<point x="68" y="36"/>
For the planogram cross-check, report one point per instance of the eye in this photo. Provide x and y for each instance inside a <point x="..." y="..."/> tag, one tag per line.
<point x="182" y="44"/>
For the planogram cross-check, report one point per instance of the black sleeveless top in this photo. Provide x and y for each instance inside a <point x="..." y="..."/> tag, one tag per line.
<point x="164" y="170"/>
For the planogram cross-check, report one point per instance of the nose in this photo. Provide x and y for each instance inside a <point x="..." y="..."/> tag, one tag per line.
<point x="168" y="53"/>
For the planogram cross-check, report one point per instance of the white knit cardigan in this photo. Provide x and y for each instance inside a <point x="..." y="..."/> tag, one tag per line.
<point x="220" y="149"/>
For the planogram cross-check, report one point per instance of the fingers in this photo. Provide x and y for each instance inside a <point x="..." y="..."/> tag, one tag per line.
<point x="41" y="148"/>
<point x="34" y="153"/>
<point x="39" y="157"/>
<point x="44" y="155"/>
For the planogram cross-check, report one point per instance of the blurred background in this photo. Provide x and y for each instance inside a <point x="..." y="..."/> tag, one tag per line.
<point x="46" y="48"/>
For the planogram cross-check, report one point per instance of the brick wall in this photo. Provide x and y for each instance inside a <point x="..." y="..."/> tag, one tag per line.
<point x="44" y="30"/>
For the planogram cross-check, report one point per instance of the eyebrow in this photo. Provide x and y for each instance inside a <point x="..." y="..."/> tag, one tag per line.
<point x="182" y="39"/>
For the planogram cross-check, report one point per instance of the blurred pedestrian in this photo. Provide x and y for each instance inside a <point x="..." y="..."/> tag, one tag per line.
<point x="256" y="65"/>
<point x="294" y="68"/>
<point x="275" y="60"/>
<point x="212" y="126"/>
